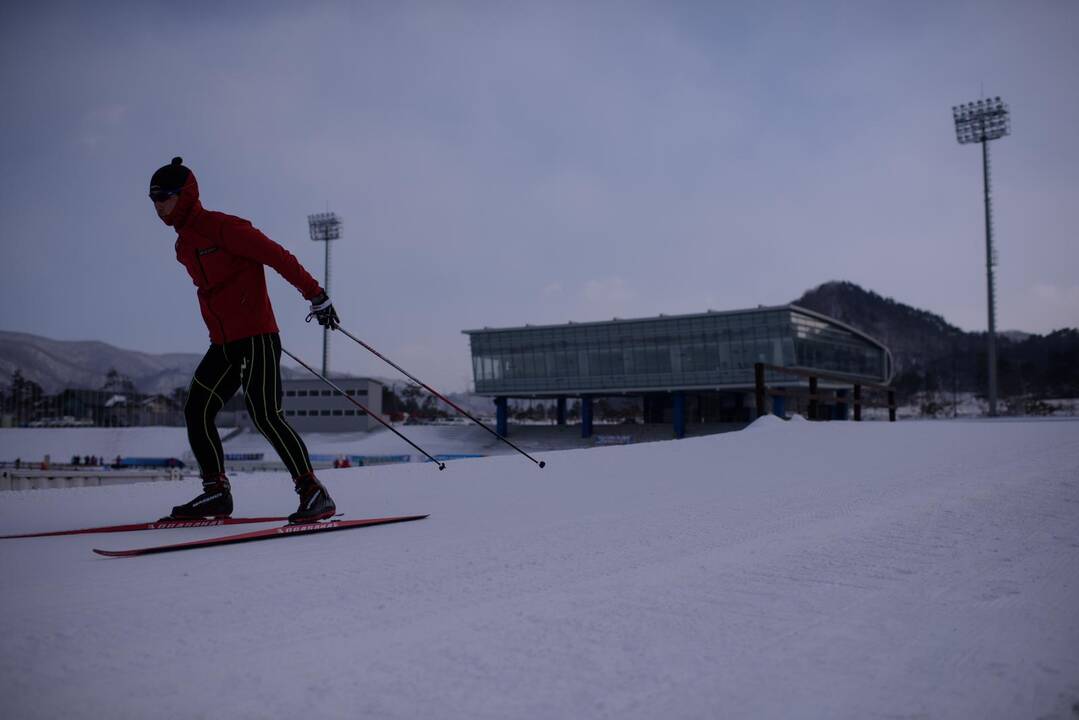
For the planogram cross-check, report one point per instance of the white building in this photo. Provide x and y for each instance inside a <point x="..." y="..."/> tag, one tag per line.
<point x="312" y="406"/>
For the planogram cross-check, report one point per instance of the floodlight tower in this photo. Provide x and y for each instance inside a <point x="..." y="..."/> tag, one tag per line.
<point x="980" y="122"/>
<point x="325" y="227"/>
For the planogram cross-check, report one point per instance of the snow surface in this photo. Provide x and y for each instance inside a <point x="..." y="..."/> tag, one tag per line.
<point x="794" y="569"/>
<point x="32" y="444"/>
<point x="435" y="439"/>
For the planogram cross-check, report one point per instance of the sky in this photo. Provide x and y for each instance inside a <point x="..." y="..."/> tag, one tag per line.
<point x="501" y="164"/>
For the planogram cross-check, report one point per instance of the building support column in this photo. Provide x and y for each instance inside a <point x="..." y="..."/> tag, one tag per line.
<point x="759" y="387"/>
<point x="679" y="414"/>
<point x="501" y="417"/>
<point x="841" y="404"/>
<point x="779" y="406"/>
<point x="561" y="411"/>
<point x="586" y="416"/>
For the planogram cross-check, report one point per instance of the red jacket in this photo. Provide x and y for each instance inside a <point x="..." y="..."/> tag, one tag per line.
<point x="225" y="256"/>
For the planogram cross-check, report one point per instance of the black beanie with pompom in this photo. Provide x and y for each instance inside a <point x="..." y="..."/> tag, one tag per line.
<point x="171" y="177"/>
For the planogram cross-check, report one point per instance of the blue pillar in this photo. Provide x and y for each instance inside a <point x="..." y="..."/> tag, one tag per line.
<point x="586" y="416"/>
<point x="501" y="417"/>
<point x="779" y="406"/>
<point x="561" y="411"/>
<point x="841" y="404"/>
<point x="679" y="415"/>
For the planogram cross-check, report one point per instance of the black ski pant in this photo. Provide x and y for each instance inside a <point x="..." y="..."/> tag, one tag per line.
<point x="253" y="364"/>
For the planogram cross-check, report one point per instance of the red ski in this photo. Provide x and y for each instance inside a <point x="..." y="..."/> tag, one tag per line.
<point x="162" y="524"/>
<point x="269" y="534"/>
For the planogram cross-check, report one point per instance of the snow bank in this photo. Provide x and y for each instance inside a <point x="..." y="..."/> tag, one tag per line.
<point x="32" y="444"/>
<point x="765" y="422"/>
<point x="435" y="439"/>
<point x="790" y="570"/>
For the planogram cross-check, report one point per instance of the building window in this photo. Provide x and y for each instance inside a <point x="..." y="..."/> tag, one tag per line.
<point x="324" y="412"/>
<point x="289" y="413"/>
<point x="350" y="393"/>
<point x="290" y="393"/>
<point x="302" y="413"/>
<point x="350" y="413"/>
<point x="327" y="393"/>
<point x="337" y="413"/>
<point x="301" y="393"/>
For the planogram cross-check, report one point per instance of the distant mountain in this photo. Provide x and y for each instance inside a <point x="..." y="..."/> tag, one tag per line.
<point x="932" y="354"/>
<point x="59" y="364"/>
<point x="911" y="334"/>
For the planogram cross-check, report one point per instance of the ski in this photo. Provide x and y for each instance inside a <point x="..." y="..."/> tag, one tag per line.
<point x="162" y="524"/>
<point x="269" y="534"/>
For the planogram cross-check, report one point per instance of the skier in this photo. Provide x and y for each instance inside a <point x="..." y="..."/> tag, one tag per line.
<point x="225" y="256"/>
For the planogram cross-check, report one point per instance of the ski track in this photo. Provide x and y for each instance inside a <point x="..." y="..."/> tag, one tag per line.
<point x="790" y="570"/>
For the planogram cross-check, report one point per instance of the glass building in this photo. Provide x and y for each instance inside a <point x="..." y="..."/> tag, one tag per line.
<point x="709" y="353"/>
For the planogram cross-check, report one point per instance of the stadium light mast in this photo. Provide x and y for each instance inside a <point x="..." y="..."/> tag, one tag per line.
<point x="979" y="122"/>
<point x="325" y="227"/>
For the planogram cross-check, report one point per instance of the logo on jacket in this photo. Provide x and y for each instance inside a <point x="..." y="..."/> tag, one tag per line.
<point x="207" y="251"/>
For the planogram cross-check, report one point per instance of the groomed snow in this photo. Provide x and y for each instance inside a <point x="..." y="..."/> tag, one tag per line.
<point x="916" y="569"/>
<point x="31" y="445"/>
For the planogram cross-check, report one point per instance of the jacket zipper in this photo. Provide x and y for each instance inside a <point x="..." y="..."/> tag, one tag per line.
<point x="206" y="279"/>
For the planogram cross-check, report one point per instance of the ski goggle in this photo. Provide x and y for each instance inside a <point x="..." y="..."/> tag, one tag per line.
<point x="159" y="195"/>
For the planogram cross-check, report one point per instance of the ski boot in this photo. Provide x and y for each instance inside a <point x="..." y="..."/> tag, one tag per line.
<point x="315" y="503"/>
<point x="214" y="502"/>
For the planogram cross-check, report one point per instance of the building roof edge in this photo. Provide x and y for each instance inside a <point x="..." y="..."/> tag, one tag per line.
<point x="686" y="316"/>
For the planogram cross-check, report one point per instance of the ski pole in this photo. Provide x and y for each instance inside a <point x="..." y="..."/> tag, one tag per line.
<point x="361" y="406"/>
<point x="439" y="395"/>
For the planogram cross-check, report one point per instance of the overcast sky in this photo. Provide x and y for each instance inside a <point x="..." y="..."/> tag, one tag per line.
<point x="504" y="163"/>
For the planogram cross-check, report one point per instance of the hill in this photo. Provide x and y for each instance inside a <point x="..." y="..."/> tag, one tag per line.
<point x="932" y="354"/>
<point x="59" y="364"/>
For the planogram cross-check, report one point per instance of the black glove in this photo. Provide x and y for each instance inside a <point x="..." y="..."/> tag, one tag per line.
<point x="322" y="310"/>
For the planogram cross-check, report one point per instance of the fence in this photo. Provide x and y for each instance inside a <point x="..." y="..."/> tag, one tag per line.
<point x="836" y="396"/>
<point x="76" y="407"/>
<point x="29" y="479"/>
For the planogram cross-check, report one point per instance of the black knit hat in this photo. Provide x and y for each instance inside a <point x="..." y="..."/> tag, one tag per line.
<point x="170" y="178"/>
